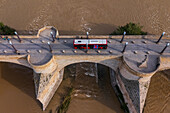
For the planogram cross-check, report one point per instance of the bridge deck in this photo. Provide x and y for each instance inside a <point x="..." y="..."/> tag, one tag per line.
<point x="40" y="45"/>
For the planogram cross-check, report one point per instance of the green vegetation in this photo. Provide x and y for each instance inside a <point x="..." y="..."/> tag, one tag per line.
<point x="130" y="29"/>
<point x="64" y="105"/>
<point x="5" y="30"/>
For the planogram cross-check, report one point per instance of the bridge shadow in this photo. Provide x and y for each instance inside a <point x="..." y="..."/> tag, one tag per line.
<point x="92" y="28"/>
<point x="27" y="32"/>
<point x="20" y="77"/>
<point x="104" y="82"/>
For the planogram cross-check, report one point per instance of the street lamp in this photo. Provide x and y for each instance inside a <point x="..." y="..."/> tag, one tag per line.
<point x="17" y="36"/>
<point x="52" y="37"/>
<point x="160" y="38"/>
<point x="124" y="47"/>
<point x="86" y="47"/>
<point x="50" y="47"/>
<point x="87" y="35"/>
<point x="13" y="46"/>
<point x="165" y="48"/>
<point x="123" y="37"/>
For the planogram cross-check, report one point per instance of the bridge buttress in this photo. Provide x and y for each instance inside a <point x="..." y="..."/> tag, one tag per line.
<point x="134" y="84"/>
<point x="46" y="84"/>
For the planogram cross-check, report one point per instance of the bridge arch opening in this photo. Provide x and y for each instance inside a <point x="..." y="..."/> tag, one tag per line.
<point x="158" y="93"/>
<point x="17" y="91"/>
<point x="87" y="94"/>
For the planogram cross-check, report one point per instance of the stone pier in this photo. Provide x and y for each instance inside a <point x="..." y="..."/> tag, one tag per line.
<point x="133" y="80"/>
<point x="47" y="77"/>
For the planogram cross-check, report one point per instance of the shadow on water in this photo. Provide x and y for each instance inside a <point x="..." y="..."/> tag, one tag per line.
<point x="92" y="28"/>
<point x="104" y="82"/>
<point x="19" y="76"/>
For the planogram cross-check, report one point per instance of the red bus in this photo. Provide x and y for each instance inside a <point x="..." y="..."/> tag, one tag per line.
<point x="90" y="44"/>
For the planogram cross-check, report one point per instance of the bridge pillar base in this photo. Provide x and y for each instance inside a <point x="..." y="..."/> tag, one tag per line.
<point x="134" y="81"/>
<point x="135" y="90"/>
<point x="46" y="85"/>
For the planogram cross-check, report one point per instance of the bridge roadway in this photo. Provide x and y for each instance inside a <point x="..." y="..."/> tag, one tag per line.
<point x="39" y="45"/>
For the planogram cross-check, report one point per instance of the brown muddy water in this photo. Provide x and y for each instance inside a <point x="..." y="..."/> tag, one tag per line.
<point x="158" y="98"/>
<point x="78" y="16"/>
<point x="17" y="91"/>
<point x="90" y="97"/>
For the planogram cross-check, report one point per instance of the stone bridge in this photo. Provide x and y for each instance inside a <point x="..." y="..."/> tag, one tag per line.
<point x="132" y="69"/>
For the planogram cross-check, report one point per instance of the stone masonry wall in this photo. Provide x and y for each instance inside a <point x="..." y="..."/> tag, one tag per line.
<point x="46" y="85"/>
<point x="132" y="87"/>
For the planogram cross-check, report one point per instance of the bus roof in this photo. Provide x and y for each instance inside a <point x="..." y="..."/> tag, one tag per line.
<point x="90" y="41"/>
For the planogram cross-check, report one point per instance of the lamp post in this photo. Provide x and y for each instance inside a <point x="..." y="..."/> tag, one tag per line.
<point x="164" y="48"/>
<point x="50" y="47"/>
<point x="87" y="35"/>
<point x="123" y="37"/>
<point x="124" y="47"/>
<point x="17" y="36"/>
<point x="52" y="37"/>
<point x="160" y="38"/>
<point x="13" y="46"/>
<point x="86" y="47"/>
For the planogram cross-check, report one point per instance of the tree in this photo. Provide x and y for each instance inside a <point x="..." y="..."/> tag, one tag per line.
<point x="6" y="30"/>
<point x="130" y="29"/>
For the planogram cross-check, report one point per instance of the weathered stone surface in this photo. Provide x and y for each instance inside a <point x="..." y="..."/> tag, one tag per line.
<point x="143" y="89"/>
<point x="46" y="85"/>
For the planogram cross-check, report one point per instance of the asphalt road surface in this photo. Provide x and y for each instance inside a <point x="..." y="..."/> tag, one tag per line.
<point x="65" y="46"/>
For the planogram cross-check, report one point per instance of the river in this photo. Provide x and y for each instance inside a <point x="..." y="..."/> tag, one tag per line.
<point x="79" y="16"/>
<point x="17" y="91"/>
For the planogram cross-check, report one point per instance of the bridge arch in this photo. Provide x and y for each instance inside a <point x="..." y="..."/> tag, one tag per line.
<point x="16" y="59"/>
<point x="93" y="63"/>
<point x="109" y="61"/>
